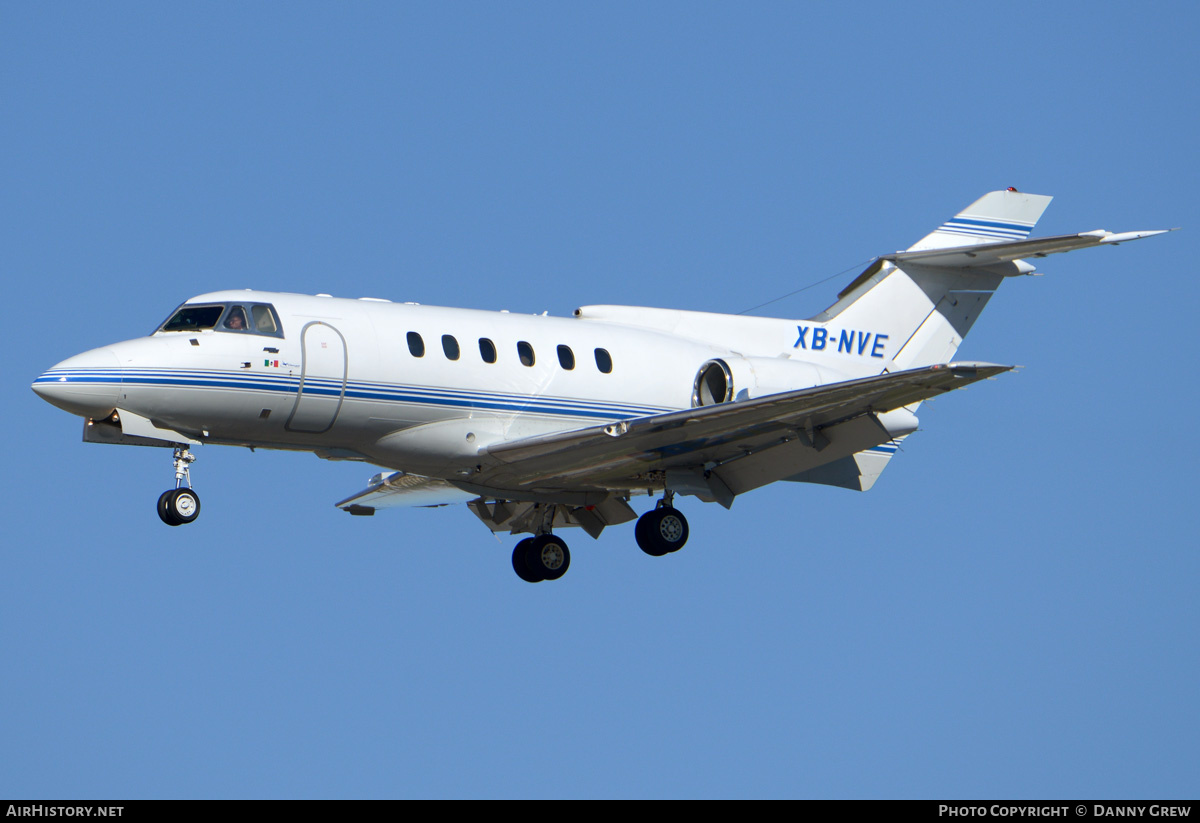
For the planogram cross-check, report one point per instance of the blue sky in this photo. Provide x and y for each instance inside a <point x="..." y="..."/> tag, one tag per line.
<point x="1010" y="612"/>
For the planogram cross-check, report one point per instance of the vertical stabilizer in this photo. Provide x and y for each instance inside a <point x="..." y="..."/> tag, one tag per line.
<point x="995" y="217"/>
<point x="922" y="311"/>
<point x="912" y="309"/>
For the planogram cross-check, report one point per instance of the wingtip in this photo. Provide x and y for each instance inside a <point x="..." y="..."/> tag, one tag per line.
<point x="977" y="364"/>
<point x="1115" y="238"/>
<point x="977" y="371"/>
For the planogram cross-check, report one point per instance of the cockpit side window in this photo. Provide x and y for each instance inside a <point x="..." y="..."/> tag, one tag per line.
<point x="265" y="321"/>
<point x="235" y="319"/>
<point x="193" y="318"/>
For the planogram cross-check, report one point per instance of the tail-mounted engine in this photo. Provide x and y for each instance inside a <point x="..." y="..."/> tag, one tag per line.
<point x="721" y="380"/>
<point x="714" y="384"/>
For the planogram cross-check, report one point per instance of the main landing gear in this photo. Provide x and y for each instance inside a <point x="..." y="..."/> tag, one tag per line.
<point x="660" y="531"/>
<point x="180" y="505"/>
<point x="663" y="529"/>
<point x="544" y="557"/>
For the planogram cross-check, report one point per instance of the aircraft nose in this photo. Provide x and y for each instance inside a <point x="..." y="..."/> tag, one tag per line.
<point x="87" y="384"/>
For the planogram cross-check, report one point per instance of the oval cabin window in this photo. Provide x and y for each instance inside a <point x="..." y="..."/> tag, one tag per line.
<point x="487" y="350"/>
<point x="566" y="357"/>
<point x="415" y="344"/>
<point x="604" y="361"/>
<point x="525" y="353"/>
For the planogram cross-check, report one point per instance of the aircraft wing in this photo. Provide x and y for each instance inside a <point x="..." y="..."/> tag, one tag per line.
<point x="989" y="254"/>
<point x="707" y="439"/>
<point x="394" y="489"/>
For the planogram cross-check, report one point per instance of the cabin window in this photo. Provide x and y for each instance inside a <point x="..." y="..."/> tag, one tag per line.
<point x="193" y="318"/>
<point x="415" y="344"/>
<point x="604" y="361"/>
<point x="525" y="353"/>
<point x="487" y="350"/>
<point x="450" y="346"/>
<point x="566" y="357"/>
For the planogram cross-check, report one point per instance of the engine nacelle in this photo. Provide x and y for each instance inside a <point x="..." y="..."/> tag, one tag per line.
<point x="723" y="379"/>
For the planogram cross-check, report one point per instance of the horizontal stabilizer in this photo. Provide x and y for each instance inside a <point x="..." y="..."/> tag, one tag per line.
<point x="961" y="257"/>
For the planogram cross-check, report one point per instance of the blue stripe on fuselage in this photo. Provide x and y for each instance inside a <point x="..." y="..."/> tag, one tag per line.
<point x="325" y="387"/>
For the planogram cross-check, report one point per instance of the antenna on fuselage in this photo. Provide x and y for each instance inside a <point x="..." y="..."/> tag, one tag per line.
<point x="809" y="286"/>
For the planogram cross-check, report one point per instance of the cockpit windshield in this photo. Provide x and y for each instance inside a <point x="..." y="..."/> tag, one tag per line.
<point x="193" y="318"/>
<point x="243" y="318"/>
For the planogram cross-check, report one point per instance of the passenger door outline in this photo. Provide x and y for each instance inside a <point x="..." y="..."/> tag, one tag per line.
<point x="316" y="411"/>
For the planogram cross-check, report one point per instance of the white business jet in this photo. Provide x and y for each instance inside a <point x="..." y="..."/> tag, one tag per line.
<point x="538" y="423"/>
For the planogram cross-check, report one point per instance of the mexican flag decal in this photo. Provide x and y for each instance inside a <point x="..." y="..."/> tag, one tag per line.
<point x="274" y="364"/>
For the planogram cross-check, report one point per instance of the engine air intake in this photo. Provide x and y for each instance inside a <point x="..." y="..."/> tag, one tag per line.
<point x="714" y="384"/>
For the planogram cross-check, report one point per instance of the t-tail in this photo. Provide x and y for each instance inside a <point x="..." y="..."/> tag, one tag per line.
<point x="924" y="300"/>
<point x="926" y="308"/>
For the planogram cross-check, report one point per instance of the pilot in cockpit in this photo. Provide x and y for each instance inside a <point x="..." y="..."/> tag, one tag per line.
<point x="236" y="321"/>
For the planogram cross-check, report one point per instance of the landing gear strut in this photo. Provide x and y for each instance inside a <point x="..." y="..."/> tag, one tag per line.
<point x="180" y="505"/>
<point x="663" y="529"/>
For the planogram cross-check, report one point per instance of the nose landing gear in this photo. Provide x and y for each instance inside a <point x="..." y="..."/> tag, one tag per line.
<point x="180" y="505"/>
